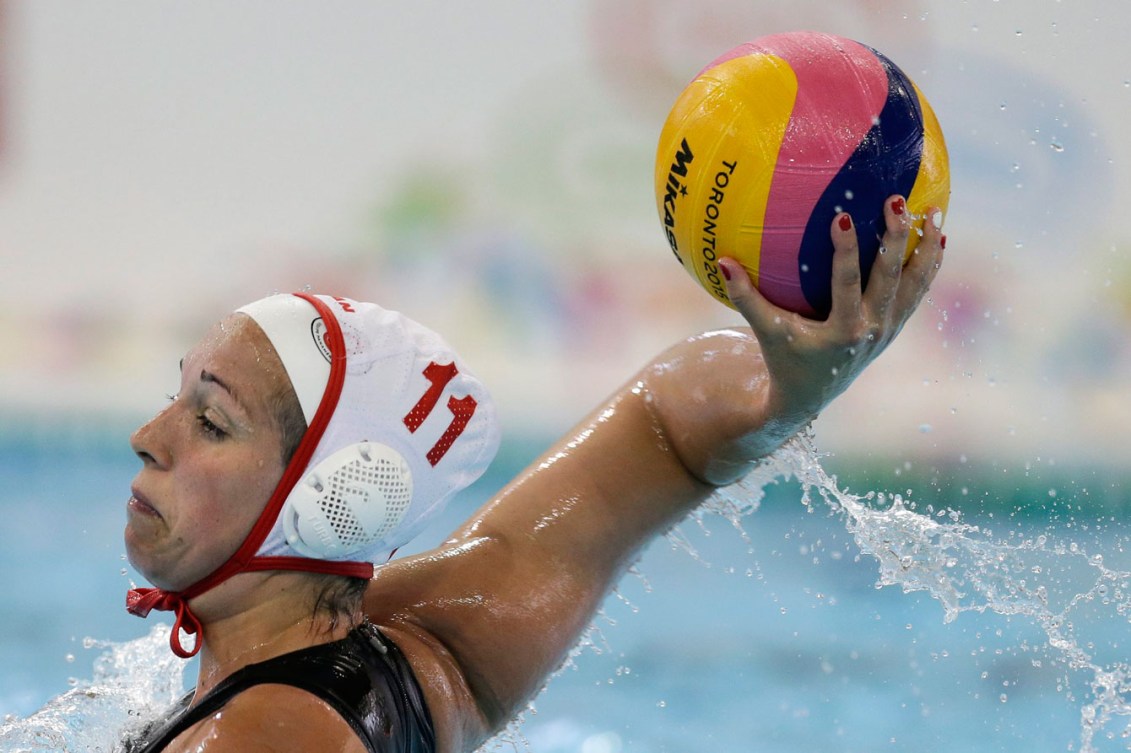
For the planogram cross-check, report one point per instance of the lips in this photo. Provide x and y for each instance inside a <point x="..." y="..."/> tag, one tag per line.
<point x="140" y="503"/>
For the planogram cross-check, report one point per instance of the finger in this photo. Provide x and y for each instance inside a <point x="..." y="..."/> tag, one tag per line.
<point x="763" y="316"/>
<point x="846" y="276"/>
<point x="883" y="281"/>
<point x="924" y="264"/>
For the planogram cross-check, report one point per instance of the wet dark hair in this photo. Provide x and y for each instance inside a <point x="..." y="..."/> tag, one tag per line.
<point x="287" y="412"/>
<point x="338" y="596"/>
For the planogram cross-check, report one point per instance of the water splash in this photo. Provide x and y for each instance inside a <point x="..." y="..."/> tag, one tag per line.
<point x="132" y="683"/>
<point x="961" y="565"/>
<point x="966" y="569"/>
<point x="1052" y="585"/>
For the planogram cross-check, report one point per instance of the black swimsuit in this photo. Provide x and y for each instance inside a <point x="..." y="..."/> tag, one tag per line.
<point x="364" y="677"/>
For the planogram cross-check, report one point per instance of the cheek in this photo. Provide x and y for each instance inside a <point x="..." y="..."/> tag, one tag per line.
<point x="253" y="485"/>
<point x="236" y="496"/>
<point x="264" y="475"/>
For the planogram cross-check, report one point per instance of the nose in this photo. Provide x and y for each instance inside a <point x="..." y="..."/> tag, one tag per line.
<point x="149" y="441"/>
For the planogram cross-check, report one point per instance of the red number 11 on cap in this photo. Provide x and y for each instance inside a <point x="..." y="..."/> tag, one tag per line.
<point x="462" y="408"/>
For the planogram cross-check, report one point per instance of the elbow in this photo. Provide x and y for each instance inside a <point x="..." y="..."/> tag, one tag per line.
<point x="709" y="400"/>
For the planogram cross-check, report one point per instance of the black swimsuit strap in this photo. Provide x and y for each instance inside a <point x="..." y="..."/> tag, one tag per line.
<point x="364" y="677"/>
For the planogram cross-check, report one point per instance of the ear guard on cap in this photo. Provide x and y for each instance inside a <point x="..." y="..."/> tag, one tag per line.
<point x="350" y="500"/>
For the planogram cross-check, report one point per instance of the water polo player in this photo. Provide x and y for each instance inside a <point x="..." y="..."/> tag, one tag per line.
<point x="312" y="436"/>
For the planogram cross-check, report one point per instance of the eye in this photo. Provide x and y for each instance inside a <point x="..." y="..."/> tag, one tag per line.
<point x="209" y="428"/>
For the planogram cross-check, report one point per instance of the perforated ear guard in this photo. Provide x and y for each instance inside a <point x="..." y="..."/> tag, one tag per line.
<point x="348" y="502"/>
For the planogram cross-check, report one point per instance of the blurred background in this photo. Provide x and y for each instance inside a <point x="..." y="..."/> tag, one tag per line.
<point x="487" y="168"/>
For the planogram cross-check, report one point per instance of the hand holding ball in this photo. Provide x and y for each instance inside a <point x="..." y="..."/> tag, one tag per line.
<point x="772" y="140"/>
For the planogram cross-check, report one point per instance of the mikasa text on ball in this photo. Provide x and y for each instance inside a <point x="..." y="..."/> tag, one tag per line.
<point x="774" y="138"/>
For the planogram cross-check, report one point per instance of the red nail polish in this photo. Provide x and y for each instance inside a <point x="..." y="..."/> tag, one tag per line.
<point x="899" y="206"/>
<point x="942" y="242"/>
<point x="726" y="272"/>
<point x="845" y="222"/>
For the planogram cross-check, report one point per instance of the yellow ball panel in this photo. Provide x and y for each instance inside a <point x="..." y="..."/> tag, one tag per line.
<point x="932" y="184"/>
<point x="731" y="122"/>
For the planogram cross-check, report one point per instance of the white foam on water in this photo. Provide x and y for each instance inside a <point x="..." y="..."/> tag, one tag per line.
<point x="132" y="683"/>
<point x="965" y="568"/>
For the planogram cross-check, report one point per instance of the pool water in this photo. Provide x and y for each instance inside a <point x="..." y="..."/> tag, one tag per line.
<point x="773" y="638"/>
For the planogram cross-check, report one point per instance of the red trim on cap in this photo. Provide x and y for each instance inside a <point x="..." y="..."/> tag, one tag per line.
<point x="141" y="600"/>
<point x="239" y="561"/>
<point x="305" y="564"/>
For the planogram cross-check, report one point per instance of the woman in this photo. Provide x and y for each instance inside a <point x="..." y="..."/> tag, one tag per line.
<point x="260" y="535"/>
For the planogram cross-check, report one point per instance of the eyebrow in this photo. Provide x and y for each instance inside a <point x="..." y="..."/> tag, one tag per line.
<point x="208" y="376"/>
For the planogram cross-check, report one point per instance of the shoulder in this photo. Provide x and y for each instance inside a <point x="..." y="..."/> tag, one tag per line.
<point x="452" y="707"/>
<point x="271" y="719"/>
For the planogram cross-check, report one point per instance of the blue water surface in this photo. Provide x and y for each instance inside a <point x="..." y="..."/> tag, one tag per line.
<point x="776" y="641"/>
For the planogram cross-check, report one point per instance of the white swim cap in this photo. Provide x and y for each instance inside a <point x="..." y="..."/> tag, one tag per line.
<point x="408" y="428"/>
<point x="396" y="426"/>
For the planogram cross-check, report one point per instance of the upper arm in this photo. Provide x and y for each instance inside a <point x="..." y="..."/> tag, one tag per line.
<point x="488" y="616"/>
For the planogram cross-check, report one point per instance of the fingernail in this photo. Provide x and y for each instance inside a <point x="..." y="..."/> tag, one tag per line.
<point x="726" y="272"/>
<point x="942" y="242"/>
<point x="845" y="222"/>
<point x="899" y="206"/>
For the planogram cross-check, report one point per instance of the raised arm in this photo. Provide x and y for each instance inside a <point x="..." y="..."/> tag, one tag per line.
<point x="488" y="616"/>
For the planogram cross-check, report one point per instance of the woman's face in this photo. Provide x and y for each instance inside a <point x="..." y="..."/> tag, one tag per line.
<point x="210" y="460"/>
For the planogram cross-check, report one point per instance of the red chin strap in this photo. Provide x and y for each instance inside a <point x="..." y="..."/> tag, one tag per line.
<point x="140" y="601"/>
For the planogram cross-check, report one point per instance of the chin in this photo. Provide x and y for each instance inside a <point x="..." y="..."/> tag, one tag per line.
<point x="146" y="566"/>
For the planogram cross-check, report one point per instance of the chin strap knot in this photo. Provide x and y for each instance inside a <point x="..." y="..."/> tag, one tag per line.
<point x="140" y="601"/>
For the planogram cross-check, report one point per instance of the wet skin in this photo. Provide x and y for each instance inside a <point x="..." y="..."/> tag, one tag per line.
<point x="210" y="459"/>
